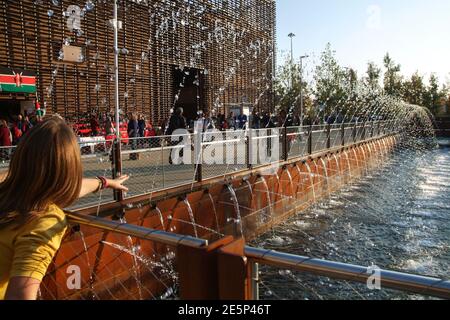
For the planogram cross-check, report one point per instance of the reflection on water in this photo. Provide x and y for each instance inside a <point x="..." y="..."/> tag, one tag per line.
<point x="397" y="218"/>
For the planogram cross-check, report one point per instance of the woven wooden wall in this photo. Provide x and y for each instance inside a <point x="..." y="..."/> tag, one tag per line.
<point x="230" y="42"/>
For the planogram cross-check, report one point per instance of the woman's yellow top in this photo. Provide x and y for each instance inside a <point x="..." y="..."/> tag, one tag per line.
<point x="27" y="251"/>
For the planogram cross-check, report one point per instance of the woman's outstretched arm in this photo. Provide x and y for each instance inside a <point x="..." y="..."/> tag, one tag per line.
<point x="92" y="185"/>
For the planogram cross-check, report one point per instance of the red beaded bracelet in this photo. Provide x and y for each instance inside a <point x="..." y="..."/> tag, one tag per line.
<point x="104" y="182"/>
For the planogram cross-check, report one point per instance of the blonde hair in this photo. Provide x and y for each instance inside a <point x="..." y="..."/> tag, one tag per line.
<point x="45" y="169"/>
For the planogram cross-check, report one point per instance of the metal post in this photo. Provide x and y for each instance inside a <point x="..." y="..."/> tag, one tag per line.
<point x="285" y="144"/>
<point x="249" y="149"/>
<point x="343" y="134"/>
<point x="354" y="132"/>
<point x="301" y="91"/>
<point x="363" y="134"/>
<point x="310" y="140"/>
<point x="162" y="164"/>
<point x="117" y="167"/>
<point x="292" y="35"/>
<point x="117" y="155"/>
<point x="255" y="281"/>
<point x="328" y="136"/>
<point x="198" y="150"/>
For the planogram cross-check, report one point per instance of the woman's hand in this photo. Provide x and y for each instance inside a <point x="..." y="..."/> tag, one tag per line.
<point x="117" y="184"/>
<point x="92" y="185"/>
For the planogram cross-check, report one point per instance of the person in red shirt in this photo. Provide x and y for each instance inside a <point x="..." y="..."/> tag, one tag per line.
<point x="5" y="140"/>
<point x="95" y="125"/>
<point x="39" y="112"/>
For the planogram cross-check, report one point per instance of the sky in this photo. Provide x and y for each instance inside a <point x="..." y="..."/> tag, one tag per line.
<point x="416" y="33"/>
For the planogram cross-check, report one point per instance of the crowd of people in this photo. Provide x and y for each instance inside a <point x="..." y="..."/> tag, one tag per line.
<point x="11" y="132"/>
<point x="232" y="121"/>
<point x="135" y="125"/>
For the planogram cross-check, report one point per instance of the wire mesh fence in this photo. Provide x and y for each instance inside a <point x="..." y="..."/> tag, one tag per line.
<point x="297" y="142"/>
<point x="162" y="162"/>
<point x="96" y="160"/>
<point x="223" y="153"/>
<point x="319" y="138"/>
<point x="94" y="264"/>
<point x="157" y="163"/>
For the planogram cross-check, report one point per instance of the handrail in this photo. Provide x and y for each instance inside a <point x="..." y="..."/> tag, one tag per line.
<point x="136" y="231"/>
<point x="389" y="279"/>
<point x="393" y="280"/>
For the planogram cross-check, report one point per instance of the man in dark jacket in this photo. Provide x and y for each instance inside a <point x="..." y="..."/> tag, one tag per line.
<point x="177" y="121"/>
<point x="133" y="134"/>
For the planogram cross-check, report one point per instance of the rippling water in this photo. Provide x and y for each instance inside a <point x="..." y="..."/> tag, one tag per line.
<point x="397" y="218"/>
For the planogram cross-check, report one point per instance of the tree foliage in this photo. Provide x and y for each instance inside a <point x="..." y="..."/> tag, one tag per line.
<point x="339" y="88"/>
<point x="330" y="82"/>
<point x="392" y="77"/>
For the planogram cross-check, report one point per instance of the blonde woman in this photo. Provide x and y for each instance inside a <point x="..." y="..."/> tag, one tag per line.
<point x="45" y="175"/>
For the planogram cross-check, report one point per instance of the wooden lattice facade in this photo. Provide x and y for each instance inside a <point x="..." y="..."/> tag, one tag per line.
<point x="224" y="48"/>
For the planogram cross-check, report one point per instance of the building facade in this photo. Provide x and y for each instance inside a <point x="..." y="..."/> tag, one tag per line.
<point x="213" y="55"/>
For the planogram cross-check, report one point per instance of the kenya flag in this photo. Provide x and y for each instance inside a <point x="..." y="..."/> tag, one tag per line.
<point x="17" y="80"/>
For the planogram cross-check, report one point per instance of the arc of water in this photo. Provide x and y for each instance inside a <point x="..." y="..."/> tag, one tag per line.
<point x="236" y="208"/>
<point x="291" y="182"/>
<point x="269" y="200"/>
<point x="300" y="179"/>
<point x="149" y="264"/>
<point x="249" y="185"/>
<point x="348" y="164"/>
<point x="280" y="187"/>
<point x="311" y="180"/>
<point x="356" y="158"/>
<point x="215" y="211"/>
<point x="326" y="174"/>
<point x="191" y="216"/>
<point x="88" y="263"/>
<point x="365" y="158"/>
<point x="338" y="167"/>
<point x="161" y="218"/>
<point x="135" y="269"/>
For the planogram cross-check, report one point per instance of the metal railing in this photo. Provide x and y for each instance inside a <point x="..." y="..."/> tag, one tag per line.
<point x="150" y="164"/>
<point x="162" y="237"/>
<point x="426" y="286"/>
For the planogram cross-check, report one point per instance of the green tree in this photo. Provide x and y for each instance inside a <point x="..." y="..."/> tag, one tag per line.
<point x="373" y="76"/>
<point x="287" y="87"/>
<point x="392" y="77"/>
<point x="433" y="96"/>
<point x="413" y="90"/>
<point x="444" y="95"/>
<point x="330" y="80"/>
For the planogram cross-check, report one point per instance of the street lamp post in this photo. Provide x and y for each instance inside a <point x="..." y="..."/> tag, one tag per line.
<point x="116" y="71"/>
<point x="117" y="152"/>
<point x="301" y="90"/>
<point x="292" y="35"/>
